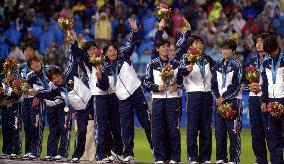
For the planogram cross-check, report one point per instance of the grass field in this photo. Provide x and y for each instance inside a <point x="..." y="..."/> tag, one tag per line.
<point x="143" y="153"/>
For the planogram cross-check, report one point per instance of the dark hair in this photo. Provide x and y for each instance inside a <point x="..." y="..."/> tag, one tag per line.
<point x="262" y="36"/>
<point x="162" y="42"/>
<point x="53" y="71"/>
<point x="28" y="44"/>
<point x="88" y="45"/>
<point x="29" y="62"/>
<point x="229" y="44"/>
<point x="193" y="38"/>
<point x="270" y="44"/>
<point x="107" y="45"/>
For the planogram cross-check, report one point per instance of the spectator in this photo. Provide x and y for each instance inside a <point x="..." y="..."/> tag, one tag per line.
<point x="103" y="30"/>
<point x="251" y="26"/>
<point x="17" y="53"/>
<point x="214" y="15"/>
<point x="238" y="23"/>
<point x="249" y="10"/>
<point x="177" y="23"/>
<point x="46" y="38"/>
<point x="13" y="35"/>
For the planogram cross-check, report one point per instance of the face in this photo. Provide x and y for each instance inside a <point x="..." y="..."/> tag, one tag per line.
<point x="57" y="79"/>
<point x="227" y="53"/>
<point x="29" y="53"/>
<point x="197" y="44"/>
<point x="259" y="45"/>
<point x="164" y="50"/>
<point x="36" y="66"/>
<point x="111" y="53"/>
<point x="91" y="51"/>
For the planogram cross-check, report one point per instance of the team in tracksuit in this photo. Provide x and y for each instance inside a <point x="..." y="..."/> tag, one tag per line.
<point x="273" y="91"/>
<point x="128" y="89"/>
<point x="116" y="94"/>
<point x="226" y="87"/>
<point x="258" y="119"/>
<point x="11" y="121"/>
<point x="109" y="142"/>
<point x="197" y="83"/>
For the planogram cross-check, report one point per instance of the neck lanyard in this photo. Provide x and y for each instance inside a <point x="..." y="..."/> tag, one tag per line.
<point x="115" y="72"/>
<point x="275" y="68"/>
<point x="201" y="65"/>
<point x="224" y="73"/>
<point x="259" y="63"/>
<point x="44" y="82"/>
<point x="161" y="64"/>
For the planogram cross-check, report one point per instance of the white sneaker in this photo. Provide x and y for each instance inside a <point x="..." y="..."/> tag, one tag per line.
<point x="159" y="162"/>
<point x="220" y="161"/>
<point x="128" y="159"/>
<point x="32" y="157"/>
<point x="48" y="158"/>
<point x="231" y="163"/>
<point x="116" y="156"/>
<point x="26" y="156"/>
<point x="172" y="162"/>
<point x="206" y="162"/>
<point x="60" y="158"/>
<point x="193" y="162"/>
<point x="75" y="160"/>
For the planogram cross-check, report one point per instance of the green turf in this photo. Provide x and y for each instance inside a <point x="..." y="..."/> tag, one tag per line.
<point x="143" y="153"/>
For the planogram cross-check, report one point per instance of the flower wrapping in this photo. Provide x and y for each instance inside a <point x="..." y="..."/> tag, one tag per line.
<point x="20" y="86"/>
<point x="163" y="11"/>
<point x="3" y="97"/>
<point x="252" y="74"/>
<point x="194" y="55"/>
<point x="167" y="74"/>
<point x="9" y="65"/>
<point x="65" y="22"/>
<point x="275" y="109"/>
<point x="226" y="110"/>
<point x="97" y="58"/>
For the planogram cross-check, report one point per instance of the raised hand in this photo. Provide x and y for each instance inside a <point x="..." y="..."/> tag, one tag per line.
<point x="187" y="24"/>
<point x="133" y="24"/>
<point x="162" y="24"/>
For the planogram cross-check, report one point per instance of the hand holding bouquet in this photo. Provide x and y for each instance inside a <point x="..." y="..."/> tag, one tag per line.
<point x="275" y="109"/>
<point x="167" y="74"/>
<point x="20" y="86"/>
<point x="225" y="110"/>
<point x="66" y="23"/>
<point x="252" y="74"/>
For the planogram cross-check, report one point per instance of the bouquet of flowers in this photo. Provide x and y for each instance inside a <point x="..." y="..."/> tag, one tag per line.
<point x="96" y="58"/>
<point x="9" y="80"/>
<point x="10" y="65"/>
<point x="163" y="11"/>
<point x="252" y="74"/>
<point x="275" y="109"/>
<point x="3" y="97"/>
<point x="167" y="74"/>
<point x="225" y="110"/>
<point x="66" y="23"/>
<point x="20" y="86"/>
<point x="194" y="55"/>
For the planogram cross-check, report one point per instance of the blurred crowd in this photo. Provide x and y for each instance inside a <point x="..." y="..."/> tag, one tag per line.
<point x="105" y="20"/>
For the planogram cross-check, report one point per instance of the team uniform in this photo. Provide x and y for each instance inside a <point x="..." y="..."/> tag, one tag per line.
<point x="165" y="110"/>
<point x="197" y="84"/>
<point x="273" y="90"/>
<point x="258" y="119"/>
<point x="226" y="82"/>
<point x="128" y="90"/>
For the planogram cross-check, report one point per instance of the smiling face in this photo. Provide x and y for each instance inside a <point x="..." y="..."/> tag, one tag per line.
<point x="92" y="51"/>
<point x="164" y="50"/>
<point x="57" y="79"/>
<point x="36" y="66"/>
<point x="259" y="45"/>
<point x="29" y="53"/>
<point x="111" y="53"/>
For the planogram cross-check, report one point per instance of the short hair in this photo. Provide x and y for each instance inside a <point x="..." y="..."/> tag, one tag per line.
<point x="29" y="62"/>
<point x="193" y="38"/>
<point x="162" y="42"/>
<point x="88" y="45"/>
<point x="262" y="36"/>
<point x="53" y="71"/>
<point x="107" y="45"/>
<point x="270" y="44"/>
<point x="28" y="44"/>
<point x="229" y="44"/>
